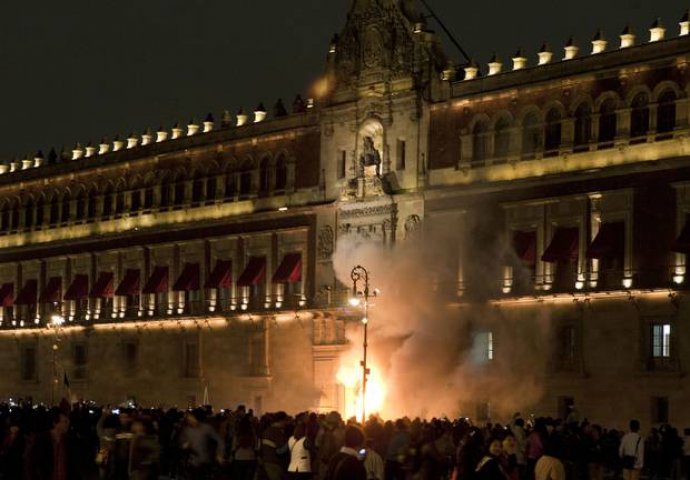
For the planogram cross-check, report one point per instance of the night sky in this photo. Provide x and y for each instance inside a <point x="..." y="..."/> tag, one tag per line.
<point x="82" y="69"/>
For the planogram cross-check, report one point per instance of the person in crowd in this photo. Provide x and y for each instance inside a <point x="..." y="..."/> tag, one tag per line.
<point x="535" y="445"/>
<point x="12" y="450"/>
<point x="245" y="445"/>
<point x="202" y="443"/>
<point x="300" y="457"/>
<point x="48" y="456"/>
<point x="373" y="462"/>
<point x="347" y="464"/>
<point x="145" y="451"/>
<point x="274" y="447"/>
<point x="686" y="453"/>
<point x="631" y="452"/>
<point x="329" y="439"/>
<point x="593" y="452"/>
<point x="470" y="452"/>
<point x="508" y="458"/>
<point x="489" y="467"/>
<point x="396" y="451"/>
<point x="550" y="465"/>
<point x="518" y="431"/>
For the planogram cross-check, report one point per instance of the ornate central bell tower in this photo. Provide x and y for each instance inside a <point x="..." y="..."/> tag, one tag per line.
<point x="382" y="72"/>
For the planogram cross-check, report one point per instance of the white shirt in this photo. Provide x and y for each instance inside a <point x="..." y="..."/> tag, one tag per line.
<point x="629" y="446"/>
<point x="300" y="460"/>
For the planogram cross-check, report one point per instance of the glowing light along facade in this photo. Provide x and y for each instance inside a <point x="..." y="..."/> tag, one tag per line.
<point x="528" y="229"/>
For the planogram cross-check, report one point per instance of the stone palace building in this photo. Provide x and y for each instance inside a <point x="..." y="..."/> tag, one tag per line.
<point x="195" y="263"/>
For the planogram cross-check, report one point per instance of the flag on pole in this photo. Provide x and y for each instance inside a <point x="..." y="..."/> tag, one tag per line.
<point x="65" y="380"/>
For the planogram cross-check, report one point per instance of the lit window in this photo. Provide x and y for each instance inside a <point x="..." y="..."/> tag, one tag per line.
<point x="661" y="340"/>
<point x="483" y="348"/>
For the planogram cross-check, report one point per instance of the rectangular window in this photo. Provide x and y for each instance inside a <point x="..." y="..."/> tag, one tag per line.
<point x="191" y="359"/>
<point x="342" y="164"/>
<point x="483" y="412"/>
<point x="661" y="340"/>
<point x="80" y="360"/>
<point x="660" y="410"/>
<point x="131" y="357"/>
<point x="28" y="363"/>
<point x="565" y="407"/>
<point x="400" y="155"/>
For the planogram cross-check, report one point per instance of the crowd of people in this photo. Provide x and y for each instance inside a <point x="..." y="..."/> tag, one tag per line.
<point x="85" y="442"/>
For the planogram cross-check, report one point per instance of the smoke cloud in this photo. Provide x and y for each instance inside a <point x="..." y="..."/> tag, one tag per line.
<point x="440" y="357"/>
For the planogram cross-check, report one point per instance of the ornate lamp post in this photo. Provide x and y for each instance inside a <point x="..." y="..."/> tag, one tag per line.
<point x="361" y="274"/>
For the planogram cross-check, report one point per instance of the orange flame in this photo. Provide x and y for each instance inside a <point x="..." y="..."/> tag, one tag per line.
<point x="351" y="379"/>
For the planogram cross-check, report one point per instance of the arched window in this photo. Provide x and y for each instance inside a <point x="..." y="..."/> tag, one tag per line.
<point x="666" y="112"/>
<point x="264" y="177"/>
<point x="91" y="205"/>
<point x="29" y="214"/>
<point x="15" y="215"/>
<point x="480" y="142"/>
<point x="639" y="117"/>
<point x="246" y="180"/>
<point x="165" y="193"/>
<point x="5" y="219"/>
<point x="81" y="206"/>
<point x="502" y="139"/>
<point x="40" y="208"/>
<point x="108" y="201"/>
<point x="583" y="125"/>
<point x="66" y="203"/>
<point x="211" y="188"/>
<point x="552" y="132"/>
<point x="135" y="200"/>
<point x="179" y="192"/>
<point x="608" y="121"/>
<point x="120" y="200"/>
<point x="230" y="185"/>
<point x="281" y="174"/>
<point x="198" y="189"/>
<point x="148" y="198"/>
<point x="531" y="136"/>
<point x="54" y="211"/>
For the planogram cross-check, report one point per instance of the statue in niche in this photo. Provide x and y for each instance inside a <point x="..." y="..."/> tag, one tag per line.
<point x="370" y="160"/>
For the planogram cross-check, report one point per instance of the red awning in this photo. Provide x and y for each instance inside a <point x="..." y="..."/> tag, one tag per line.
<point x="158" y="281"/>
<point x="188" y="279"/>
<point x="221" y="276"/>
<point x="103" y="288"/>
<point x="563" y="246"/>
<point x="609" y="242"/>
<point x="28" y="294"/>
<point x="525" y="246"/>
<point x="682" y="243"/>
<point x="51" y="292"/>
<point x="78" y="289"/>
<point x="254" y="273"/>
<point x="129" y="285"/>
<point x="7" y="294"/>
<point x="290" y="269"/>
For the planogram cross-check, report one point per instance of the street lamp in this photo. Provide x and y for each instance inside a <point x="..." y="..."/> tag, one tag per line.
<point x="361" y="274"/>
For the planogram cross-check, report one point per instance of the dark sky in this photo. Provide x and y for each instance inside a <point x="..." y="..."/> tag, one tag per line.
<point x="78" y="70"/>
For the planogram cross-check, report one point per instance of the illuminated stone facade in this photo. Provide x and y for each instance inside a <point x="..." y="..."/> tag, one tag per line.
<point x="196" y="264"/>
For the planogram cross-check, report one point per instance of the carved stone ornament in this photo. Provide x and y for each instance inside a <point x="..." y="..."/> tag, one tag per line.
<point x="373" y="48"/>
<point x="325" y="242"/>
